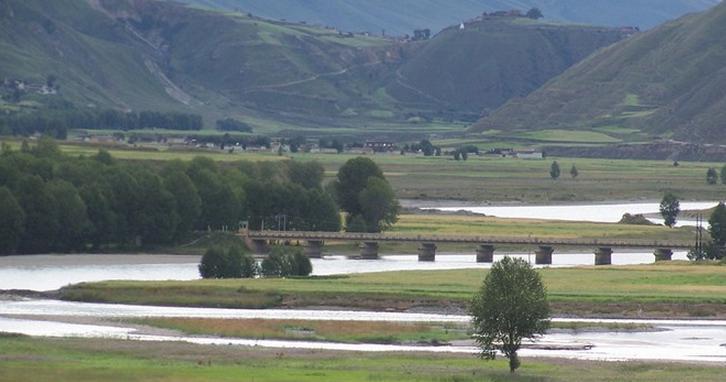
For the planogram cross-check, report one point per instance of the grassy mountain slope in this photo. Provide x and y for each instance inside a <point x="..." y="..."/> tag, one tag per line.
<point x="670" y="81"/>
<point x="94" y="59"/>
<point x="403" y="16"/>
<point x="490" y="61"/>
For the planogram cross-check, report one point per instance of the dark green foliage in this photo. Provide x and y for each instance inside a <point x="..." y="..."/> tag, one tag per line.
<point x="306" y="174"/>
<point x="70" y="203"/>
<point x="356" y="224"/>
<point x="723" y="174"/>
<point x="73" y="222"/>
<point x="233" y="263"/>
<point x="186" y="199"/>
<point x="12" y="221"/>
<point x="573" y="172"/>
<point x="362" y="190"/>
<point x="351" y="180"/>
<point x="555" y="170"/>
<point x="670" y="207"/>
<point x="379" y="205"/>
<point x="41" y="215"/>
<point x="280" y="263"/>
<point x="535" y="14"/>
<point x="230" y="124"/>
<point x="717" y="222"/>
<point x="510" y="306"/>
<point x="711" y="176"/>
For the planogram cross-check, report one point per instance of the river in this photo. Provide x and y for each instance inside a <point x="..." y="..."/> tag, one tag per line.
<point x="674" y="340"/>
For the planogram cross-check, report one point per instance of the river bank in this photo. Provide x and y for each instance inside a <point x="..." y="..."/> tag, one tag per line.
<point x="111" y="360"/>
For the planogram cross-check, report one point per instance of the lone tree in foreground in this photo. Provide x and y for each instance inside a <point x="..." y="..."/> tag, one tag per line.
<point x="555" y="170"/>
<point x="670" y="207"/>
<point x="511" y="306"/>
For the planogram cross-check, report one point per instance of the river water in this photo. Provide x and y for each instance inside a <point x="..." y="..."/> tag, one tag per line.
<point x="50" y="272"/>
<point x="605" y="213"/>
<point x="674" y="340"/>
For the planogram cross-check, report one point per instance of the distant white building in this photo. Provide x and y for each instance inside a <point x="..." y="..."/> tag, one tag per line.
<point x="529" y="154"/>
<point x="461" y="26"/>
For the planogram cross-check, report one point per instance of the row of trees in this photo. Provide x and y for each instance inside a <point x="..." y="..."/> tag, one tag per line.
<point x="712" y="175"/>
<point x="234" y="262"/>
<point x="670" y="208"/>
<point x="56" y="123"/>
<point x="555" y="171"/>
<point x="54" y="202"/>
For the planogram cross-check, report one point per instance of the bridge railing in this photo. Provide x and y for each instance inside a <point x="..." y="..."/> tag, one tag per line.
<point x="355" y="236"/>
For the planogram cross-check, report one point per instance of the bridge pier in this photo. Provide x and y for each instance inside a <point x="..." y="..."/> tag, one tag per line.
<point x="543" y="255"/>
<point x="427" y="252"/>
<point x="369" y="250"/>
<point x="663" y="254"/>
<point x="485" y="253"/>
<point x="604" y="256"/>
<point x="314" y="249"/>
<point x="261" y="246"/>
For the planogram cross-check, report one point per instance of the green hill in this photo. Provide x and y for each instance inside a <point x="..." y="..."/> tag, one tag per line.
<point x="274" y="75"/>
<point x="400" y="17"/>
<point x="667" y="82"/>
<point x="490" y="61"/>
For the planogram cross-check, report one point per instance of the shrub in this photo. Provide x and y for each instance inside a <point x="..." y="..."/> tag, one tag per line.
<point x="281" y="264"/>
<point x="233" y="263"/>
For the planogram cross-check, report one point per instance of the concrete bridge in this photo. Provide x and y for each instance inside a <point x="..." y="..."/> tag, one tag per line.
<point x="485" y="246"/>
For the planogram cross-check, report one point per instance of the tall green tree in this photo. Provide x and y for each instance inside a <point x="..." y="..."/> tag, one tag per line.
<point x="379" y="205"/>
<point x="717" y="223"/>
<point x="73" y="223"/>
<point x="157" y="217"/>
<point x="723" y="174"/>
<point x="670" y="207"/>
<point x="711" y="176"/>
<point x="510" y="306"/>
<point x="555" y="170"/>
<point x="187" y="201"/>
<point x="102" y="217"/>
<point x="351" y="180"/>
<point x="573" y="172"/>
<point x="41" y="215"/>
<point x="12" y="221"/>
<point x="307" y="174"/>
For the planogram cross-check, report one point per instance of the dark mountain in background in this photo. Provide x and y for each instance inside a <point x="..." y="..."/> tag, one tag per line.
<point x="669" y="82"/>
<point x="399" y="17"/>
<point x="157" y="55"/>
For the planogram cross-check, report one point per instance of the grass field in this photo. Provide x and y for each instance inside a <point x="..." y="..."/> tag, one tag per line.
<point x="431" y="333"/>
<point x="660" y="290"/>
<point x="334" y="331"/>
<point x="542" y="229"/>
<point x="492" y="179"/>
<point x="114" y="360"/>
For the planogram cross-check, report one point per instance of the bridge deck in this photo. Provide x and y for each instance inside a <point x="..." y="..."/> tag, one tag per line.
<point x="382" y="237"/>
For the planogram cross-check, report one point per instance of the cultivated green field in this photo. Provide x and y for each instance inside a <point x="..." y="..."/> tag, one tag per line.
<point x="115" y="360"/>
<point x="490" y="179"/>
<point x="533" y="228"/>
<point x="660" y="290"/>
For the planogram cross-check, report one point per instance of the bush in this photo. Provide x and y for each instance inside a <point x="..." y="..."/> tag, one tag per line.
<point x="233" y="263"/>
<point x="281" y="264"/>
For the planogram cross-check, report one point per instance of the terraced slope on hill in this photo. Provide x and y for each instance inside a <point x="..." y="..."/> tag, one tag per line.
<point x="670" y="81"/>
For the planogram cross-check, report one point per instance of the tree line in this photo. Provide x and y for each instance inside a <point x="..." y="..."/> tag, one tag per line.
<point x="56" y="123"/>
<point x="55" y="202"/>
